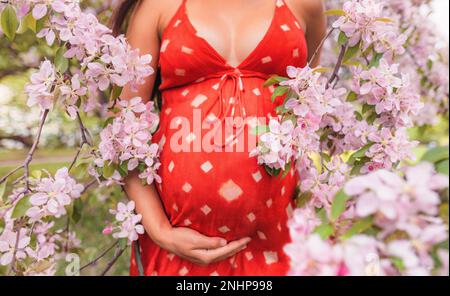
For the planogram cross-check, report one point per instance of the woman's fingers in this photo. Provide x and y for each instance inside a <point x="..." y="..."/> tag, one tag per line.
<point x="229" y="254"/>
<point x="218" y="254"/>
<point x="201" y="241"/>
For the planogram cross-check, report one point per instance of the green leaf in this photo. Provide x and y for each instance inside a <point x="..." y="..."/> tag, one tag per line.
<point x="358" y="116"/>
<point x="279" y="91"/>
<point x="351" y="52"/>
<point x="42" y="266"/>
<point x="342" y="39"/>
<point x="372" y="117"/>
<point x="322" y="214"/>
<point x="338" y="205"/>
<point x="274" y="80"/>
<point x="116" y="92"/>
<point x="384" y="20"/>
<point x="21" y="208"/>
<point x="356" y="169"/>
<point x="37" y="174"/>
<point x="352" y="96"/>
<point x="436" y="155"/>
<point x="108" y="121"/>
<point x="335" y="12"/>
<point x="108" y="170"/>
<point x="9" y="22"/>
<point x="259" y="130"/>
<point x="441" y="167"/>
<point x="61" y="63"/>
<point x="40" y="24"/>
<point x="360" y="153"/>
<point x="123" y="169"/>
<point x="366" y="108"/>
<point x="2" y="190"/>
<point x="358" y="227"/>
<point x="30" y="22"/>
<point x="322" y="70"/>
<point x="272" y="172"/>
<point x="375" y="60"/>
<point x="304" y="198"/>
<point x="324" y="230"/>
<point x="287" y="169"/>
<point x="77" y="212"/>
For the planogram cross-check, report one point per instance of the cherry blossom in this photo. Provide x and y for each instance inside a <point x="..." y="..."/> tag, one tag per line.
<point x="127" y="224"/>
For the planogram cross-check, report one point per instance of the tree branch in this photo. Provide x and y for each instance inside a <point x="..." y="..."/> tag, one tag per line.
<point x="338" y="66"/>
<point x="29" y="158"/>
<point x="113" y="261"/>
<point x="100" y="256"/>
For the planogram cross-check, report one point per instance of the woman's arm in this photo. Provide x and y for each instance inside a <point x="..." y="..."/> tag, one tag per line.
<point x="311" y="12"/>
<point x="143" y="33"/>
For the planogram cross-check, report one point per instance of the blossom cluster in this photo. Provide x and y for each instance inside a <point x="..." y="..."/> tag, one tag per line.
<point x="28" y="217"/>
<point x="52" y="194"/>
<point x="404" y="210"/>
<point x="364" y="24"/>
<point x="127" y="224"/>
<point x="105" y="60"/>
<point x="126" y="143"/>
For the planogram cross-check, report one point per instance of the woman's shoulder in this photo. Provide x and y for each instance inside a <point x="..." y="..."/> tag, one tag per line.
<point x="307" y="8"/>
<point x="157" y="11"/>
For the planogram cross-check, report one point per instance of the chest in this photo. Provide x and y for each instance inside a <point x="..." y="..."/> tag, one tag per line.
<point x="232" y="28"/>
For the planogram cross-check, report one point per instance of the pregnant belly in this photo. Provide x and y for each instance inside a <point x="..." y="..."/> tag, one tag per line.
<point x="219" y="193"/>
<point x="223" y="194"/>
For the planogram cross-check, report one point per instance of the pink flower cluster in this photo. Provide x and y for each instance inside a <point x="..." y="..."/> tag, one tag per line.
<point x="395" y="101"/>
<point x="364" y="22"/>
<point x="407" y="204"/>
<point x="8" y="240"/>
<point x="323" y="183"/>
<point x="394" y="199"/>
<point x="41" y="88"/>
<point x="304" y="111"/>
<point x="316" y="257"/>
<point x="126" y="143"/>
<point x="276" y="147"/>
<point x="50" y="196"/>
<point x="404" y="210"/>
<point x="127" y="224"/>
<point x="105" y="60"/>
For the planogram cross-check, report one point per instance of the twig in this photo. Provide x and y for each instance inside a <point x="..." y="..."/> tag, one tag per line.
<point x="11" y="173"/>
<point x="16" y="245"/>
<point x="100" y="256"/>
<point x="113" y="261"/>
<point x="88" y="185"/>
<point x="84" y="140"/>
<point x="84" y="131"/>
<point x="318" y="49"/>
<point x="338" y="65"/>
<point x="30" y="155"/>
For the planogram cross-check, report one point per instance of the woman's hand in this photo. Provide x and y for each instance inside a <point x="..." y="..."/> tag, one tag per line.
<point x="198" y="248"/>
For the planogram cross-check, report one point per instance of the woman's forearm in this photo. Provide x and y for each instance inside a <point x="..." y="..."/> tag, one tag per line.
<point x="148" y="204"/>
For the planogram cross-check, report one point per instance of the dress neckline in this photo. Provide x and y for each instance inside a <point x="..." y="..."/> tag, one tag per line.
<point x="211" y="48"/>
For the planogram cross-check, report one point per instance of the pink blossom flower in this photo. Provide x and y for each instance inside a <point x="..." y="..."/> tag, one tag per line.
<point x="40" y="88"/>
<point x="127" y="222"/>
<point x="8" y="245"/>
<point x="51" y="195"/>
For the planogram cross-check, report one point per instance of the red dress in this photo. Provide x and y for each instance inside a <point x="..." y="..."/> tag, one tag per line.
<point x="222" y="193"/>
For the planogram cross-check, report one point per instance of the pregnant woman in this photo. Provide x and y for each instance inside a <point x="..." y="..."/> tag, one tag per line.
<point x="216" y="212"/>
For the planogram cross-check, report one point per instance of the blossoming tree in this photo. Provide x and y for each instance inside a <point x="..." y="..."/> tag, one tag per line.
<point x="364" y="207"/>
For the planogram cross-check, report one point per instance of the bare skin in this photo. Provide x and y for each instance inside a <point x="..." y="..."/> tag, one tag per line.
<point x="233" y="28"/>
